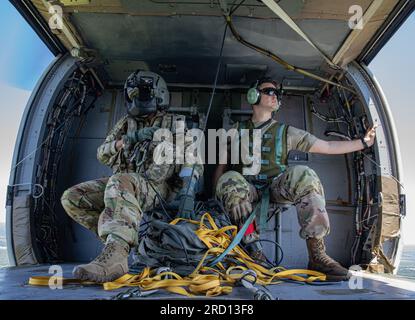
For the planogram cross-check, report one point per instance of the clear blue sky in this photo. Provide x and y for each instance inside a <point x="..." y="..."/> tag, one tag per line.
<point x="394" y="68"/>
<point x="23" y="58"/>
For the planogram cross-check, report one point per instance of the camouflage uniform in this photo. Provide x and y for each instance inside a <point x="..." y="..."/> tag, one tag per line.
<point x="298" y="185"/>
<point x="115" y="205"/>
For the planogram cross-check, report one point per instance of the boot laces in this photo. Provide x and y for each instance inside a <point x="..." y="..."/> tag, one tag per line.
<point x="107" y="253"/>
<point x="321" y="255"/>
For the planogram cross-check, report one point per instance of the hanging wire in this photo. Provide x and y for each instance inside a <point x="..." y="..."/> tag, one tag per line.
<point x="279" y="60"/>
<point x="158" y="195"/>
<point x="279" y="247"/>
<point x="34" y="196"/>
<point x="236" y="7"/>
<point x="210" y="103"/>
<point x="43" y="142"/>
<point x="379" y="166"/>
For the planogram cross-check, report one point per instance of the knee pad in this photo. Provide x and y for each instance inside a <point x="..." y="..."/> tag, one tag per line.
<point x="306" y="181"/>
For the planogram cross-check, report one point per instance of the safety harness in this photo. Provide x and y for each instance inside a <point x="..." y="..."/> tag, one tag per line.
<point x="274" y="160"/>
<point x="274" y="152"/>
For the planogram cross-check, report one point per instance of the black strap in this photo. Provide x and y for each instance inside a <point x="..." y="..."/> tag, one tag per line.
<point x="365" y="145"/>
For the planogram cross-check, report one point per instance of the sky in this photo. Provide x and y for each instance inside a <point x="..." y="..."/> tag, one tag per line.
<point x="24" y="57"/>
<point x="394" y="68"/>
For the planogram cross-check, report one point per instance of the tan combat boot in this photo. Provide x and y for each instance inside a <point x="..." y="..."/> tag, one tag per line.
<point x="111" y="264"/>
<point x="320" y="261"/>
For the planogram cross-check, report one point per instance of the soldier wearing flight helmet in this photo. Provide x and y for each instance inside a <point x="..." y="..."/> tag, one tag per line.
<point x="113" y="207"/>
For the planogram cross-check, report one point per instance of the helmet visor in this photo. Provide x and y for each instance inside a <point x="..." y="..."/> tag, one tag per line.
<point x="145" y="89"/>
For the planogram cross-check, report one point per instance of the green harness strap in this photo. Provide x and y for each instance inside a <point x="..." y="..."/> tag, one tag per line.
<point x="264" y="209"/>
<point x="262" y="218"/>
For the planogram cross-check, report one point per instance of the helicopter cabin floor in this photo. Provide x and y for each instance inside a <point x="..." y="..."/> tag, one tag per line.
<point x="14" y="286"/>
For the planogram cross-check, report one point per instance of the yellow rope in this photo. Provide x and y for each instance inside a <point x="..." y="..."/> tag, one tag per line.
<point x="208" y="281"/>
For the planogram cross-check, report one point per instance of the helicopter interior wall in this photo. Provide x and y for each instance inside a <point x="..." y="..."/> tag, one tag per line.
<point x="80" y="164"/>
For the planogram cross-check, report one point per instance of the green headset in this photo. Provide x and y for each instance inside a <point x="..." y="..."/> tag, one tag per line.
<point x="253" y="96"/>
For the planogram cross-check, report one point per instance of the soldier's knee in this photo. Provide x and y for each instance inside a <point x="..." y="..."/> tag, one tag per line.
<point x="229" y="179"/>
<point x="231" y="175"/>
<point x="116" y="178"/>
<point x="305" y="180"/>
<point x="65" y="196"/>
<point x="302" y="169"/>
<point x="68" y="198"/>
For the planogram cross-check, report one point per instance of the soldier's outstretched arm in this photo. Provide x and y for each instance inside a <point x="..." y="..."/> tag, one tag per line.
<point x="341" y="147"/>
<point x="112" y="143"/>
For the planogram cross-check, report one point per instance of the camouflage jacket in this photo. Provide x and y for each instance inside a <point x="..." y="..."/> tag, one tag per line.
<point x="128" y="158"/>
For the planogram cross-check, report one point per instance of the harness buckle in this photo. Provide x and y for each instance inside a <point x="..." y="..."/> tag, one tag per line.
<point x="133" y="293"/>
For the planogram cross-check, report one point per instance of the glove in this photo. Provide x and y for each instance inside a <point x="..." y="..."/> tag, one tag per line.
<point x="142" y="134"/>
<point x="186" y="199"/>
<point x="240" y="212"/>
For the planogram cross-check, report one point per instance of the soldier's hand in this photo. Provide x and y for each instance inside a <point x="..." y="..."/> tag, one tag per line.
<point x="370" y="135"/>
<point x="186" y="198"/>
<point x="240" y="212"/>
<point x="142" y="134"/>
<point x="186" y="207"/>
<point x="146" y="133"/>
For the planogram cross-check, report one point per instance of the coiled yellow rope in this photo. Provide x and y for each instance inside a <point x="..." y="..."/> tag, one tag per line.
<point x="208" y="281"/>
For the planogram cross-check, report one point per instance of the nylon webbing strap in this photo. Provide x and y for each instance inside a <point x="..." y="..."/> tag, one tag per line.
<point x="237" y="238"/>
<point x="204" y="280"/>
<point x="264" y="209"/>
<point x="279" y="147"/>
<point x="290" y="22"/>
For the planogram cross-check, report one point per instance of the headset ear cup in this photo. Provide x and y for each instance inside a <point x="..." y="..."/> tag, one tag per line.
<point x="252" y="96"/>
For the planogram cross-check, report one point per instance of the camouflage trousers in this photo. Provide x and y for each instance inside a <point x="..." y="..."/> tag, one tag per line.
<point x="114" y="205"/>
<point x="298" y="185"/>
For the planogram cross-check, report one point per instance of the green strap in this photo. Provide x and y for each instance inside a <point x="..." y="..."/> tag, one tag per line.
<point x="278" y="147"/>
<point x="264" y="209"/>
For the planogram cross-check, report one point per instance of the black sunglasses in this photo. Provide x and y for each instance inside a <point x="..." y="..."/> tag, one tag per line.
<point x="269" y="91"/>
